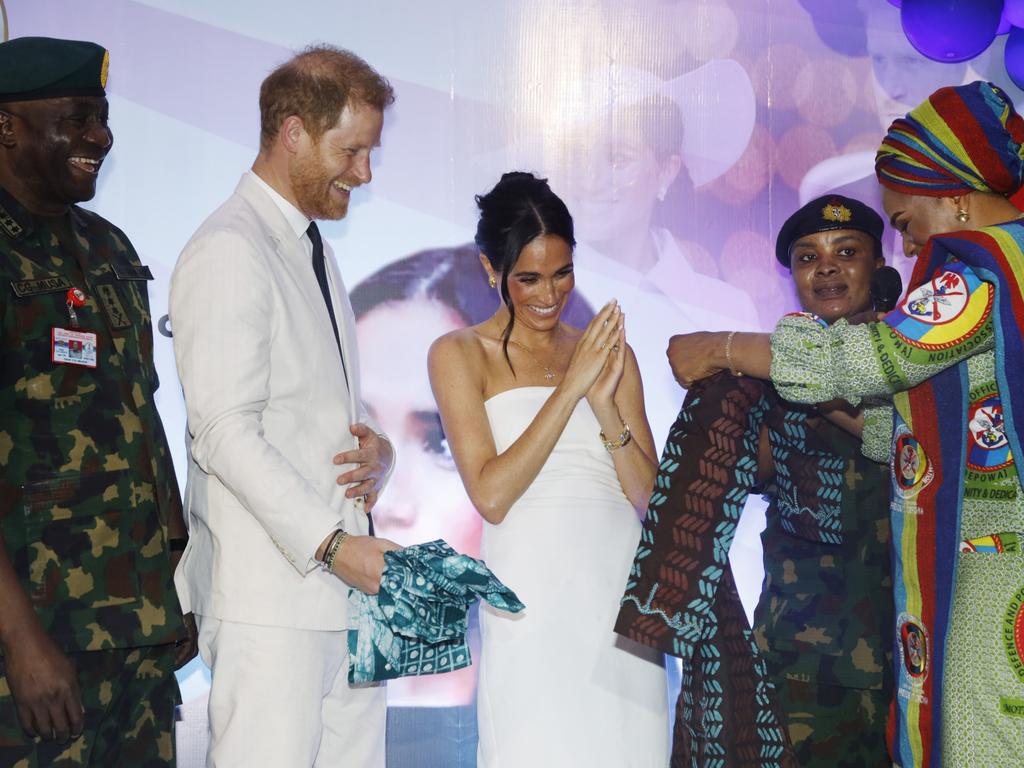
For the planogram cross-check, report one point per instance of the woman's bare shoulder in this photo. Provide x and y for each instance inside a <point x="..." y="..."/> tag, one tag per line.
<point x="463" y="346"/>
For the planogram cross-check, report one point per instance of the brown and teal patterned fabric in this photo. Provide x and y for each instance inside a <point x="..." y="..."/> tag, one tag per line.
<point x="821" y="633"/>
<point x="416" y="624"/>
<point x="681" y="597"/>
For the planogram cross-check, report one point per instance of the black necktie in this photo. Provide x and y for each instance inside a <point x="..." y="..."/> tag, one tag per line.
<point x="320" y="270"/>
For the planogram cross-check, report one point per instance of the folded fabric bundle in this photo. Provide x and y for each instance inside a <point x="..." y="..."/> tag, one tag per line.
<point x="416" y="624"/>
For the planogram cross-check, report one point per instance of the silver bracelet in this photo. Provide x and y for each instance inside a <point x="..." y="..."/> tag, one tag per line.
<point x="332" y="549"/>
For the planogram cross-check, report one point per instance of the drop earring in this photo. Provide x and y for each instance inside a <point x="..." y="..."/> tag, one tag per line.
<point x="962" y="216"/>
<point x="491" y="281"/>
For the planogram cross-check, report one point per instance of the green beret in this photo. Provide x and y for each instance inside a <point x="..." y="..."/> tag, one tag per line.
<point x="824" y="215"/>
<point x="47" y="68"/>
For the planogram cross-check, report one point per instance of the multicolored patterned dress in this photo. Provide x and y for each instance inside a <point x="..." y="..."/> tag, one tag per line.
<point x="952" y="356"/>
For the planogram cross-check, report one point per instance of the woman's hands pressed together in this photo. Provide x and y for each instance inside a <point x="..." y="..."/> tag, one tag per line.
<point x="601" y="342"/>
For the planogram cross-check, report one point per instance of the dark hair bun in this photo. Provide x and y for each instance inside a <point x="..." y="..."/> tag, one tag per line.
<point x="520" y="208"/>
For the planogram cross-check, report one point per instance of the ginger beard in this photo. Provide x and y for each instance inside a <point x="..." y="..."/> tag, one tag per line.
<point x="319" y="195"/>
<point x="325" y="169"/>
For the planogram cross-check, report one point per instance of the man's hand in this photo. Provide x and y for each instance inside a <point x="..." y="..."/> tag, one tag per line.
<point x="185" y="650"/>
<point x="360" y="562"/>
<point x="44" y="685"/>
<point x="373" y="457"/>
<point x="695" y="356"/>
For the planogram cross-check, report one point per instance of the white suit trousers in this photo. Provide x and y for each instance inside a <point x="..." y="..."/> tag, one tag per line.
<point x="280" y="698"/>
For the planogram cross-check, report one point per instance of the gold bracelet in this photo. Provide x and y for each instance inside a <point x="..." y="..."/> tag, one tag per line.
<point x="728" y="354"/>
<point x="624" y="437"/>
<point x="332" y="549"/>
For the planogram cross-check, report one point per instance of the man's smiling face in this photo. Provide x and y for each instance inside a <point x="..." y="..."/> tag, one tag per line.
<point x="56" y="149"/>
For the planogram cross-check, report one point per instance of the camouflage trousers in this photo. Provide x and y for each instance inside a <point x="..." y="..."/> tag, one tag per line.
<point x="129" y="697"/>
<point x="830" y="726"/>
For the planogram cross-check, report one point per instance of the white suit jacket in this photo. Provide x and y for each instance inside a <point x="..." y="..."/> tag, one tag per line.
<point x="268" y="408"/>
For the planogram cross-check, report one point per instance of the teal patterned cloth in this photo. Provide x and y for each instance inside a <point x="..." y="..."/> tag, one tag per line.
<point x="416" y="624"/>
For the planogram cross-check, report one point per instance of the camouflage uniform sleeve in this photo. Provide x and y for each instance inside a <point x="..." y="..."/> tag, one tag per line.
<point x="876" y="436"/>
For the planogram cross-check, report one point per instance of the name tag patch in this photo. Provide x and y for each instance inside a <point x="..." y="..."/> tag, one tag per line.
<point x="72" y="347"/>
<point x="23" y="288"/>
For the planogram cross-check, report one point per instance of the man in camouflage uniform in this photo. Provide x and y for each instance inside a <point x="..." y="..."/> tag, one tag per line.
<point x="90" y="516"/>
<point x="824" y="620"/>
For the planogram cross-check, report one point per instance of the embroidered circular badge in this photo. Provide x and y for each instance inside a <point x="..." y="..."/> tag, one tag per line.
<point x="911" y="470"/>
<point x="1013" y="633"/>
<point x="988" y="449"/>
<point x="914" y="643"/>
<point x="993" y="544"/>
<point x="944" y="311"/>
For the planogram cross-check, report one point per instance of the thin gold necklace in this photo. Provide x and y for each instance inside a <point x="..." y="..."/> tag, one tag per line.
<point x="549" y="373"/>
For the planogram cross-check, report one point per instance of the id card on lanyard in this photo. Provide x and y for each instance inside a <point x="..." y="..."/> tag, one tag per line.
<point x="72" y="346"/>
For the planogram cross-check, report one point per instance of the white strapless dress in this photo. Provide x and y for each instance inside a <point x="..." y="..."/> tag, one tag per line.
<point x="558" y="688"/>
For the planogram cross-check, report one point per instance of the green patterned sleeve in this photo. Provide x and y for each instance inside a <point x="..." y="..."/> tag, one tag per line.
<point x="876" y="436"/>
<point x="812" y="363"/>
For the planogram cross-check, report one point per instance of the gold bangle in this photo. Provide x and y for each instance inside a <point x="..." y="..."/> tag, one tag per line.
<point x="728" y="354"/>
<point x="624" y="437"/>
<point x="332" y="549"/>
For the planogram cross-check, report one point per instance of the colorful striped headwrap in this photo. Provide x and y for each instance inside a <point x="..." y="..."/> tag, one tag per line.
<point x="961" y="139"/>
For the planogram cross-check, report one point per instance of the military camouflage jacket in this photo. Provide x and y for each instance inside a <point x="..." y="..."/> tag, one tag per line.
<point x="825" y="612"/>
<point x="87" y="484"/>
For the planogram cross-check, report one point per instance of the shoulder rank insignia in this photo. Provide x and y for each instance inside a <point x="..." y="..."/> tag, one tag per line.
<point x="131" y="272"/>
<point x="112" y="306"/>
<point x="9" y="224"/>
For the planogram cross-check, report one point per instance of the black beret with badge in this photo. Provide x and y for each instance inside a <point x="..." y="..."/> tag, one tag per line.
<point x="824" y="215"/>
<point x="48" y="68"/>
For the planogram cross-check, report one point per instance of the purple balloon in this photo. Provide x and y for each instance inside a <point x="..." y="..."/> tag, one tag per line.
<point x="1013" y="56"/>
<point x="951" y="30"/>
<point x="1013" y="10"/>
<point x="1004" y="24"/>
